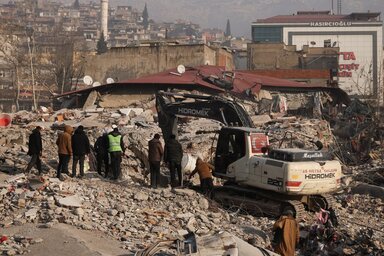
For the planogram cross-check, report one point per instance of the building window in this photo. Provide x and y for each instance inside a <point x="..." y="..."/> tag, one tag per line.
<point x="267" y="34"/>
<point x="327" y="43"/>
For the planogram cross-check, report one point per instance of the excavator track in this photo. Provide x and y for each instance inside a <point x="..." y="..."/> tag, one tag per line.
<point x="324" y="201"/>
<point x="259" y="202"/>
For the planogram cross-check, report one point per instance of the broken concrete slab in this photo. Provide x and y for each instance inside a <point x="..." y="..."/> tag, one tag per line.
<point x="31" y="213"/>
<point x="368" y="189"/>
<point x="91" y="99"/>
<point x="71" y="201"/>
<point x="16" y="178"/>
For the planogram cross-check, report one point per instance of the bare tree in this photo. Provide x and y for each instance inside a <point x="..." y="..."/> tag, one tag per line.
<point x="13" y="54"/>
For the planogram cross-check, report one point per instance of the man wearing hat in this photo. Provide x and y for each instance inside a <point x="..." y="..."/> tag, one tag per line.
<point x="115" y="149"/>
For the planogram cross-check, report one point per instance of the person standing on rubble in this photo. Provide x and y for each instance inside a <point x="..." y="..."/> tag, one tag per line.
<point x="286" y="235"/>
<point x="115" y="149"/>
<point x="80" y="148"/>
<point x="204" y="170"/>
<point x="155" y="154"/>
<point x="63" y="143"/>
<point x="173" y="153"/>
<point x="35" y="150"/>
<point x="101" y="150"/>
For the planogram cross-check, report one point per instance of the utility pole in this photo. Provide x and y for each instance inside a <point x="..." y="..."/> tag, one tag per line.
<point x="29" y="32"/>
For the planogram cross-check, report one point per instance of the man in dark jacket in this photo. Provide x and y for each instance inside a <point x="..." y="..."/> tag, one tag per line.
<point x="173" y="153"/>
<point x="101" y="149"/>
<point x="115" y="149"/>
<point x="35" y="149"/>
<point x="155" y="153"/>
<point x="80" y="148"/>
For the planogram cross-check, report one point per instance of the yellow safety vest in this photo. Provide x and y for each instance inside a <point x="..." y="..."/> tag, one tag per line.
<point x="114" y="143"/>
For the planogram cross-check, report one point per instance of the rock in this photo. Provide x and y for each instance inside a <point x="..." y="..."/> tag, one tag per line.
<point x="32" y="213"/>
<point x="79" y="211"/>
<point x="349" y="251"/>
<point x="112" y="212"/>
<point x="191" y="224"/>
<point x="141" y="196"/>
<point x="71" y="201"/>
<point x="184" y="215"/>
<point x="21" y="203"/>
<point x="184" y="192"/>
<point x="37" y="241"/>
<point x="10" y="252"/>
<point x="203" y="203"/>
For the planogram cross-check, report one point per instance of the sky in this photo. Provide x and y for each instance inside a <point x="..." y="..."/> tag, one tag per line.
<point x="241" y="13"/>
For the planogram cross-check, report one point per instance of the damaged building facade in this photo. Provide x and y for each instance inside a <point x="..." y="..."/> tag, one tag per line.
<point x="121" y="63"/>
<point x="357" y="35"/>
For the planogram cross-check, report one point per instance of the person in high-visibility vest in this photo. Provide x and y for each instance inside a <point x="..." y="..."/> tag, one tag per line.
<point x="115" y="149"/>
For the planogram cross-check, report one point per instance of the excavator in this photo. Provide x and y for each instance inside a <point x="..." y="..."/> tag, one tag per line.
<point x="257" y="177"/>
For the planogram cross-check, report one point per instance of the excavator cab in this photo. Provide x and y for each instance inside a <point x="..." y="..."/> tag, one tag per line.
<point x="230" y="148"/>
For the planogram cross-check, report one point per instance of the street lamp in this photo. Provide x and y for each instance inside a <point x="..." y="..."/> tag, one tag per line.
<point x="29" y="32"/>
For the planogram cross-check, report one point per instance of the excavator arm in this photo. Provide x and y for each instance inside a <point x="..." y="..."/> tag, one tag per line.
<point x="170" y="105"/>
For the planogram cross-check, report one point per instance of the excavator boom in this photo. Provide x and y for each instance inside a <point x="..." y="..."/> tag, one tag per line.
<point x="170" y="105"/>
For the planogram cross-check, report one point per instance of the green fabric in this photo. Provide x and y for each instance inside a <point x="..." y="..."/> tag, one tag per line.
<point x="114" y="143"/>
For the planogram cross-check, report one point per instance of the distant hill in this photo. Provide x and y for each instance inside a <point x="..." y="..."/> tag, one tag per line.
<point x="214" y="13"/>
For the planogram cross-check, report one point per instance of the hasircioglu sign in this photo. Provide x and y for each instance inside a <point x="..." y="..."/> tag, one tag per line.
<point x="330" y="23"/>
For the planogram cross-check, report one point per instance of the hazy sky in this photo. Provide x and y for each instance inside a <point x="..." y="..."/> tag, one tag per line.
<point x="214" y="13"/>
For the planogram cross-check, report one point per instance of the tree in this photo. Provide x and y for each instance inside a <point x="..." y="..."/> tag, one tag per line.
<point x="101" y="46"/>
<point x="228" y="29"/>
<point x="145" y="17"/>
<point x="12" y="54"/>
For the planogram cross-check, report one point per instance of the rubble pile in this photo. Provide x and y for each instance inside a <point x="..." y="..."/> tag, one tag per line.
<point x="133" y="214"/>
<point x="138" y="216"/>
<point x="292" y="132"/>
<point x="16" y="245"/>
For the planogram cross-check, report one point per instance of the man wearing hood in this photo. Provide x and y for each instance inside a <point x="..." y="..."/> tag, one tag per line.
<point x="101" y="149"/>
<point x="155" y="153"/>
<point x="35" y="149"/>
<point x="287" y="234"/>
<point x="173" y="153"/>
<point x="63" y="143"/>
<point x="115" y="149"/>
<point x="80" y="148"/>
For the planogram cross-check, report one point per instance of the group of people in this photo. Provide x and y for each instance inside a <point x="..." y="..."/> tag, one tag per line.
<point x="108" y="148"/>
<point x="172" y="154"/>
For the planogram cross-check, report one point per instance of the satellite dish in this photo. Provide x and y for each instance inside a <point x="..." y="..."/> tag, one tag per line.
<point x="96" y="84"/>
<point x="181" y="69"/>
<point x="110" y="80"/>
<point x="88" y="80"/>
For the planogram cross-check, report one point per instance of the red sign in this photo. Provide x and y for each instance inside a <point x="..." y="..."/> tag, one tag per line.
<point x="258" y="141"/>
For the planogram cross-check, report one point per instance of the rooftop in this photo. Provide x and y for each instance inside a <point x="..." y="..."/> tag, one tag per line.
<point x="319" y="16"/>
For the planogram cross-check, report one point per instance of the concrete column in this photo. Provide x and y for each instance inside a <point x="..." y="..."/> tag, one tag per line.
<point x="104" y="18"/>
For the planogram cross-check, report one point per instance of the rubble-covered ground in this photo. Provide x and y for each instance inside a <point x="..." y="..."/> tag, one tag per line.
<point x="129" y="212"/>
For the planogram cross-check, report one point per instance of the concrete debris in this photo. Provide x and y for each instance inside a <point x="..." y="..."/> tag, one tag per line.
<point x="129" y="211"/>
<point x="71" y="201"/>
<point x="16" y="244"/>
